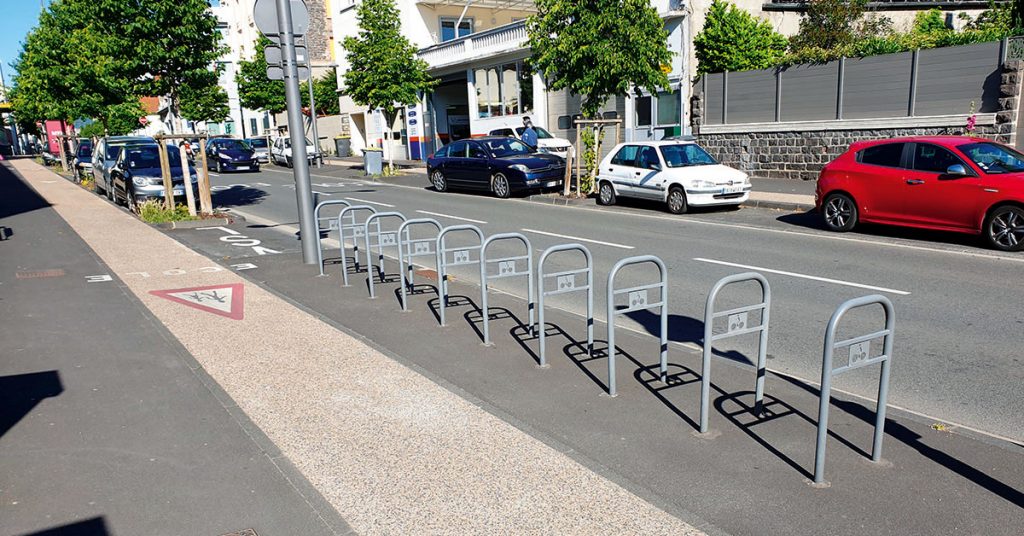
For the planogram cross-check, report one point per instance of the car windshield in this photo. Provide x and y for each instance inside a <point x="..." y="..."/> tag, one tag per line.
<point x="232" y="145"/>
<point x="501" y="148"/>
<point x="84" y="151"/>
<point x="258" y="143"/>
<point x="541" y="133"/>
<point x="688" y="154"/>
<point x="148" y="156"/>
<point x="994" y="158"/>
<point x="288" y="142"/>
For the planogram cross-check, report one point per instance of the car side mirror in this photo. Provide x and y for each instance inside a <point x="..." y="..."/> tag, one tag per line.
<point x="656" y="167"/>
<point x="956" y="170"/>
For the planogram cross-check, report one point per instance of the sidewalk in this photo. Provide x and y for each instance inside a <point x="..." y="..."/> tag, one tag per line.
<point x="108" y="425"/>
<point x="391" y="451"/>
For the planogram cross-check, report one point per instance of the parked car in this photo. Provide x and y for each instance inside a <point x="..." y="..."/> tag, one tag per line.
<point x="261" y="148"/>
<point x="229" y="154"/>
<point x="500" y="165"/>
<point x="948" y="183"/>
<point x="281" y="151"/>
<point x="546" y="142"/>
<point x="105" y="156"/>
<point x="83" y="159"/>
<point x="676" y="172"/>
<point x="137" y="176"/>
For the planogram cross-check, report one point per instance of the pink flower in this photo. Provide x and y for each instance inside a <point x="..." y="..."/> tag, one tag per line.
<point x="970" y="123"/>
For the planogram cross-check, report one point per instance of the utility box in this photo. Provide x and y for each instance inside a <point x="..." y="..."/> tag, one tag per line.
<point x="373" y="161"/>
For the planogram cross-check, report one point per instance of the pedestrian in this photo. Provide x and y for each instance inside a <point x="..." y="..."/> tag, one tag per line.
<point x="529" y="136"/>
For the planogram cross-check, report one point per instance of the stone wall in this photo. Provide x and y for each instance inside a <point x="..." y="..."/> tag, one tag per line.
<point x="799" y="150"/>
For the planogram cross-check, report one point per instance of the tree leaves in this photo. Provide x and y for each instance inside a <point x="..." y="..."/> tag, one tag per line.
<point x="599" y="49"/>
<point x="734" y="40"/>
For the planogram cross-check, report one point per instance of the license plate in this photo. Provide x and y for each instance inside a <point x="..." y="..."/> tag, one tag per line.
<point x="242" y="168"/>
<point x="549" y="184"/>
<point x="179" y="191"/>
<point x="732" y="189"/>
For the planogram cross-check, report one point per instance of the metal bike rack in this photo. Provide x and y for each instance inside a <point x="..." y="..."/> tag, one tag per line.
<point x="737" y="325"/>
<point x="506" y="268"/>
<point x="565" y="282"/>
<point x="460" y="256"/>
<point x="357" y="230"/>
<point x="384" y="239"/>
<point x="331" y="224"/>
<point x="859" y="356"/>
<point x="637" y="298"/>
<point x="409" y="248"/>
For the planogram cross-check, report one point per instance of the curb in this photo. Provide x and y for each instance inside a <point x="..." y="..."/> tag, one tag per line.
<point x="192" y="224"/>
<point x="778" y="205"/>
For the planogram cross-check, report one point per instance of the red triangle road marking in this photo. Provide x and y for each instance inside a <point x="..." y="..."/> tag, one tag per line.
<point x="224" y="300"/>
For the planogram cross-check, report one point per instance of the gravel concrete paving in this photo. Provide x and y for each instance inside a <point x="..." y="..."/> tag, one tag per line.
<point x="393" y="452"/>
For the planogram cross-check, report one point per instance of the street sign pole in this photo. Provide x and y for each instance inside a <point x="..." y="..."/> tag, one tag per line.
<point x="312" y="114"/>
<point x="303" y="189"/>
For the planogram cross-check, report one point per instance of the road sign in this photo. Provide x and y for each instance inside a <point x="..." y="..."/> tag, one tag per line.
<point x="224" y="300"/>
<point x="264" y="14"/>
<point x="276" y="72"/>
<point x="274" y="57"/>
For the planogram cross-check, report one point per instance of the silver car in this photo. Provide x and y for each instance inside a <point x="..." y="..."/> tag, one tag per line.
<point x="105" y="156"/>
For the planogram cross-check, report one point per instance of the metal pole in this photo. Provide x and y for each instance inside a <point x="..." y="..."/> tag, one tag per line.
<point x="303" y="189"/>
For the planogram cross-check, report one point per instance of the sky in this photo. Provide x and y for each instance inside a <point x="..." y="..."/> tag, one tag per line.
<point x="14" y="25"/>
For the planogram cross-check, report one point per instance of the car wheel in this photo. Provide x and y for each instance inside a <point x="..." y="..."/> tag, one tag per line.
<point x="256" y="168"/>
<point x="439" y="182"/>
<point x="839" y="212"/>
<point x="98" y="186"/>
<point x="606" y="194"/>
<point x="677" y="200"/>
<point x="499" y="185"/>
<point x="110" y="194"/>
<point x="288" y="161"/>
<point x="1004" y="228"/>
<point x="220" y="167"/>
<point x="129" y="201"/>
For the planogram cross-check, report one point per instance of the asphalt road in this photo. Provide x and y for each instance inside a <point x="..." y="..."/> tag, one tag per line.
<point x="957" y="354"/>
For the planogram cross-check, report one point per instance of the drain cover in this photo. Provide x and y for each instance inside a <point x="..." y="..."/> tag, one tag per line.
<point x="38" y="274"/>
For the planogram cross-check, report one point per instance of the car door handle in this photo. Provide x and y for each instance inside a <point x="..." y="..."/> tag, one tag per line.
<point x="638" y="173"/>
<point x="914" y="181"/>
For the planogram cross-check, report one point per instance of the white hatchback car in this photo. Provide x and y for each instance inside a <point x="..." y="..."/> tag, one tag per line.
<point x="676" y="172"/>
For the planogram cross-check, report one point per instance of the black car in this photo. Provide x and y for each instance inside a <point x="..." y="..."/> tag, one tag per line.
<point x="227" y="154"/>
<point x="497" y="164"/>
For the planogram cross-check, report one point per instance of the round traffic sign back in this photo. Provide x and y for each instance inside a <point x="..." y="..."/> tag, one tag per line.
<point x="264" y="14"/>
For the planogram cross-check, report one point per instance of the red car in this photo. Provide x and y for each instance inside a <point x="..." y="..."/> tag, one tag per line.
<point x="947" y="183"/>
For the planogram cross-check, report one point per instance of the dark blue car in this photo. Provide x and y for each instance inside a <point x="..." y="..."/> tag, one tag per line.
<point x="227" y="154"/>
<point x="137" y="175"/>
<point x="496" y="164"/>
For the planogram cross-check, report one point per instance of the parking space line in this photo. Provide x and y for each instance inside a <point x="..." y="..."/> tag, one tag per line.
<point x="805" y="276"/>
<point x="451" y="217"/>
<point x="610" y="244"/>
<point x="369" y="202"/>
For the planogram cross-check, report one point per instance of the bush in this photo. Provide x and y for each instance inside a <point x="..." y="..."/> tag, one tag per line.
<point x="153" y="211"/>
<point x="734" y="40"/>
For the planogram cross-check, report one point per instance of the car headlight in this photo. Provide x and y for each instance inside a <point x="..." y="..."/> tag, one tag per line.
<point x="703" y="184"/>
<point x="140" y="181"/>
<point x="520" y="167"/>
<point x="224" y="157"/>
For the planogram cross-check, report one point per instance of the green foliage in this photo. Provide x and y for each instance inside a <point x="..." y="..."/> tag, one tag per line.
<point x="828" y="24"/>
<point x="588" y="161"/>
<point x="929" y="21"/>
<point x="91" y="130"/>
<point x="599" y="49"/>
<point x="254" y="89"/>
<point x="204" y="103"/>
<point x="384" y="71"/>
<point x="325" y="93"/>
<point x="734" y="40"/>
<point x="153" y="211"/>
<point x="123" y="118"/>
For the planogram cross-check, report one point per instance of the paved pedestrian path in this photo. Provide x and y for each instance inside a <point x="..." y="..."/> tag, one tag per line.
<point x="391" y="451"/>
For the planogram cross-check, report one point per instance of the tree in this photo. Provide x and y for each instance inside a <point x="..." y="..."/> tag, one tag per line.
<point x="325" y="94"/>
<point x="828" y="24"/>
<point x="384" y="72"/>
<point x="255" y="91"/>
<point x="599" y="49"/>
<point x="734" y="40"/>
<point x="208" y="103"/>
<point x="121" y="119"/>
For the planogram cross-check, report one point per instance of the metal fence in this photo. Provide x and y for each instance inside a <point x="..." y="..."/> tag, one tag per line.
<point x="939" y="81"/>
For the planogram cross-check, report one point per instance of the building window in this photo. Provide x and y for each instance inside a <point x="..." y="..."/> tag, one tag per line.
<point x="254" y="129"/>
<point x="643" y="111"/>
<point x="503" y="90"/>
<point x="668" y="108"/>
<point x="448" y="28"/>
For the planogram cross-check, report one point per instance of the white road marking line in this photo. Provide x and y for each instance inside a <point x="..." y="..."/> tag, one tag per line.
<point x="451" y="217"/>
<point x="369" y="202"/>
<point x="805" y="276"/>
<point x="611" y="244"/>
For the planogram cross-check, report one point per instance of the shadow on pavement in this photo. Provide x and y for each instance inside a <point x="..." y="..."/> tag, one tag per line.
<point x="238" y="197"/>
<point x="19" y="393"/>
<point x="812" y="220"/>
<point x="18" y="197"/>
<point x="96" y="526"/>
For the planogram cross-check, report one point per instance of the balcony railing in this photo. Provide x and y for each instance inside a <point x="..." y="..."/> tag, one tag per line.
<point x="507" y="38"/>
